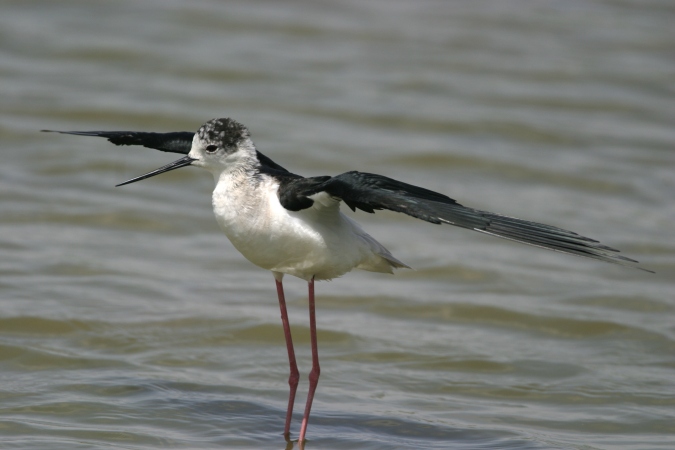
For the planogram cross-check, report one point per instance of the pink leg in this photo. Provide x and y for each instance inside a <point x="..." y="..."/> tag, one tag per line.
<point x="316" y="370"/>
<point x="295" y="375"/>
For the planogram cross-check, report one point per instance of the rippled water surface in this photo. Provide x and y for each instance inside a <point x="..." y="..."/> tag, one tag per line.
<point x="127" y="320"/>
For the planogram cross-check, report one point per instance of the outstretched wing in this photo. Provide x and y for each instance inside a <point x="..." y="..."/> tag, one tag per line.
<point x="370" y="192"/>
<point x="176" y="142"/>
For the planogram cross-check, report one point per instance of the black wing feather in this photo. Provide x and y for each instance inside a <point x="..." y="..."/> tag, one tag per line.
<point x="294" y="190"/>
<point x="370" y="192"/>
<point x="176" y="142"/>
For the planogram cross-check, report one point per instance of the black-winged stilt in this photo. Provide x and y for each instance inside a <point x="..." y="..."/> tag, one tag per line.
<point x="290" y="224"/>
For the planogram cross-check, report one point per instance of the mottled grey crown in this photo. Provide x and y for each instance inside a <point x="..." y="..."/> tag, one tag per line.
<point x="226" y="132"/>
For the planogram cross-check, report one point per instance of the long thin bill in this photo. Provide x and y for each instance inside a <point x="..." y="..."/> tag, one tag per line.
<point x="185" y="161"/>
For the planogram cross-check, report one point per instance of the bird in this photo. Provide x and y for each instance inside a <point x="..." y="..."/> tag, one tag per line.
<point x="292" y="225"/>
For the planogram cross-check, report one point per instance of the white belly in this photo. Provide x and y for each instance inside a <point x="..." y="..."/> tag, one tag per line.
<point x="317" y="242"/>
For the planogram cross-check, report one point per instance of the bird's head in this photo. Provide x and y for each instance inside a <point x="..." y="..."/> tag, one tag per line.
<point x="218" y="145"/>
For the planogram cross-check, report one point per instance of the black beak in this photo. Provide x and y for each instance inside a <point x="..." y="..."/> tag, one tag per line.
<point x="185" y="161"/>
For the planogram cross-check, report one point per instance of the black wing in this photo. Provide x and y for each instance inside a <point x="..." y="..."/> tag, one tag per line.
<point x="176" y="142"/>
<point x="370" y="192"/>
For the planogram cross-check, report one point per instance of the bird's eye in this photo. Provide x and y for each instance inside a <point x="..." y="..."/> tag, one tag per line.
<point x="211" y="148"/>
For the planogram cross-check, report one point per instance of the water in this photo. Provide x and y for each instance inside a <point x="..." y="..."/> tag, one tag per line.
<point x="128" y="321"/>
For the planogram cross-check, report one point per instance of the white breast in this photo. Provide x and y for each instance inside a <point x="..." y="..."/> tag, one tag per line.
<point x="316" y="242"/>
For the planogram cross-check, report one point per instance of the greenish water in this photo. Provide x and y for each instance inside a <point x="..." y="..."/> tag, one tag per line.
<point x="128" y="321"/>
